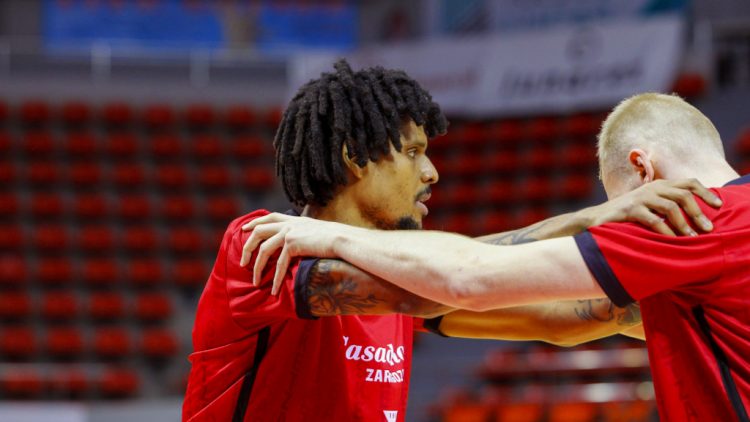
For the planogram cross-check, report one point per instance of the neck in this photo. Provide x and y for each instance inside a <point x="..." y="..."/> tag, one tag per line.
<point x="711" y="174"/>
<point x="341" y="210"/>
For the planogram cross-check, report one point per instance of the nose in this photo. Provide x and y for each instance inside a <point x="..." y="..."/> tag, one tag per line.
<point x="429" y="172"/>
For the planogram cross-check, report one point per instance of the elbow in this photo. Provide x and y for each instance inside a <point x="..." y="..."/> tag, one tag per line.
<point x="463" y="294"/>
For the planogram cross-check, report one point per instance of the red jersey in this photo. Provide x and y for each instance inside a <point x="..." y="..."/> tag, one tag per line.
<point x="259" y="357"/>
<point x="694" y="294"/>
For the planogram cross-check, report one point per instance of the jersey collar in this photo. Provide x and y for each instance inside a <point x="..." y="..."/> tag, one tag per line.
<point x="739" y="181"/>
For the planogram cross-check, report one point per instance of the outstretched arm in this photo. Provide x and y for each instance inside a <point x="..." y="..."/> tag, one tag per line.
<point x="564" y="323"/>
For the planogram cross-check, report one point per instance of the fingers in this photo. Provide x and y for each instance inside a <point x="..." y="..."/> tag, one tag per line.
<point x="688" y="203"/>
<point x="270" y="218"/>
<point x="256" y="237"/>
<point x="281" y="266"/>
<point x="265" y="252"/>
<point x="697" y="188"/>
<point x="648" y="218"/>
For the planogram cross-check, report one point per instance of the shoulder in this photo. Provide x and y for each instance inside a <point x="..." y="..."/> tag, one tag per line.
<point x="234" y="229"/>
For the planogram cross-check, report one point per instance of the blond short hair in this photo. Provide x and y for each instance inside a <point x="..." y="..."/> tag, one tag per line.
<point x="657" y="122"/>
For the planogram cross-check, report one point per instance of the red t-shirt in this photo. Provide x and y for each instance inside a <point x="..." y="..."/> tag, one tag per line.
<point x="269" y="357"/>
<point x="694" y="294"/>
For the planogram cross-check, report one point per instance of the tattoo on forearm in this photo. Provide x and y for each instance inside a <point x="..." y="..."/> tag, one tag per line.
<point x="330" y="293"/>
<point x="603" y="310"/>
<point x="517" y="237"/>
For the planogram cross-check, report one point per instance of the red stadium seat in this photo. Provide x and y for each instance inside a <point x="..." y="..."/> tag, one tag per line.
<point x="112" y="342"/>
<point x="95" y="239"/>
<point x="15" y="305"/>
<point x="17" y="342"/>
<point x="177" y="208"/>
<point x="7" y="172"/>
<point x="165" y="146"/>
<point x="214" y="177"/>
<point x="582" y="126"/>
<point x="140" y="239"/>
<point x="172" y="176"/>
<point x="467" y="165"/>
<point x="12" y="270"/>
<point x="69" y="383"/>
<point x="90" y="207"/>
<point x="273" y="116"/>
<point x="100" y="272"/>
<point x="4" y="112"/>
<point x="84" y="175"/>
<point x="222" y="209"/>
<point x="690" y="85"/>
<point x="145" y="272"/>
<point x="150" y="307"/>
<point x="47" y="206"/>
<point x="159" y="343"/>
<point x="81" y="145"/>
<point x="258" y="179"/>
<point x="541" y="160"/>
<point x="121" y="145"/>
<point x="495" y="222"/>
<point x="467" y="412"/>
<point x="459" y="223"/>
<point x="579" y="156"/>
<point x="628" y="411"/>
<point x="503" y="162"/>
<point x="543" y="129"/>
<point x="476" y="134"/>
<point x="190" y="273"/>
<point x="43" y="173"/>
<point x="500" y="192"/>
<point x="35" y="113"/>
<point x="251" y="147"/>
<point x="106" y="306"/>
<point x="9" y="205"/>
<point x="531" y="216"/>
<point x="51" y="238"/>
<point x="22" y="383"/>
<point x="576" y="186"/>
<point x="75" y="113"/>
<point x="573" y="412"/>
<point x="134" y="207"/>
<point x="185" y="240"/>
<point x="64" y="342"/>
<point x="117" y="114"/>
<point x="158" y="116"/>
<point x="742" y="144"/>
<point x="11" y="237"/>
<point x="535" y="189"/>
<point x="54" y="271"/>
<point x="200" y="116"/>
<point x="128" y="175"/>
<point x="520" y="412"/>
<point x="206" y="147"/>
<point x="6" y="143"/>
<point x="38" y="143"/>
<point x="59" y="306"/>
<point x="509" y="132"/>
<point x="240" y="117"/>
<point x="118" y="383"/>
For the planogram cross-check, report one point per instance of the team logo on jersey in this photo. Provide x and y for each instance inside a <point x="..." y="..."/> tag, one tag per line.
<point x="391" y="415"/>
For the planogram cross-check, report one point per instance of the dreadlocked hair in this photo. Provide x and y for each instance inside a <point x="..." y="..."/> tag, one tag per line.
<point x="363" y="110"/>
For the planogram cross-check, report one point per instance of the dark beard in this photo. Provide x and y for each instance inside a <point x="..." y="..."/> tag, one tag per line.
<point x="407" y="223"/>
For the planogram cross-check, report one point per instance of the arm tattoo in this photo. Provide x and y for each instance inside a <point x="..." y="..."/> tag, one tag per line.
<point x="603" y="310"/>
<point x="517" y="237"/>
<point x="331" y="293"/>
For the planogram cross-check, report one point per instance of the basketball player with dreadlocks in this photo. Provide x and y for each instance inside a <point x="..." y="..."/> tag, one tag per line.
<point x="336" y="343"/>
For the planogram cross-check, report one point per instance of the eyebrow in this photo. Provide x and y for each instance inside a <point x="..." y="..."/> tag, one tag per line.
<point x="418" y="143"/>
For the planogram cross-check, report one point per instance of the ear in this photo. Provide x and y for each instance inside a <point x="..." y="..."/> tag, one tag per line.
<point x="355" y="170"/>
<point x="642" y="165"/>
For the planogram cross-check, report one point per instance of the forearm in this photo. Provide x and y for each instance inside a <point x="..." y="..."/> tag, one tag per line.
<point x="338" y="288"/>
<point x="564" y="323"/>
<point x="562" y="225"/>
<point x="463" y="273"/>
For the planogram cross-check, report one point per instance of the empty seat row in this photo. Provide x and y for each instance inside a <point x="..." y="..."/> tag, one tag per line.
<point x="69" y="383"/>
<point x="61" y="306"/>
<point x="83" y="145"/>
<point x="15" y="271"/>
<point x="154" y="116"/>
